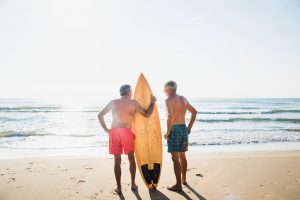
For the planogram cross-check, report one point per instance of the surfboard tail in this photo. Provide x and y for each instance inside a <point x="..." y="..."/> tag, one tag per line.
<point x="151" y="176"/>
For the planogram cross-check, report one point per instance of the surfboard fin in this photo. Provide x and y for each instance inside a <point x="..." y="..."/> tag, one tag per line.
<point x="151" y="176"/>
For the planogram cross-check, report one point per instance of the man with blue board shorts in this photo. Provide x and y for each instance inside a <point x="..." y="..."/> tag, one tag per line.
<point x="177" y="132"/>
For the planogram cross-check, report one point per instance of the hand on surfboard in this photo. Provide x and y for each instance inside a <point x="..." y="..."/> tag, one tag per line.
<point x="153" y="99"/>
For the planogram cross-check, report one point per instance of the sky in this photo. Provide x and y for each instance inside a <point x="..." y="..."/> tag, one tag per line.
<point x="76" y="50"/>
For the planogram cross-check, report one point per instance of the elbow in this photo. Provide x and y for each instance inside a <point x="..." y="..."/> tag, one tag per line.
<point x="195" y="113"/>
<point x="100" y="116"/>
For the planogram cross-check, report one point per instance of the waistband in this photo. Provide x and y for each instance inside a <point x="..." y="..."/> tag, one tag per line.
<point x="179" y="125"/>
<point x="121" y="130"/>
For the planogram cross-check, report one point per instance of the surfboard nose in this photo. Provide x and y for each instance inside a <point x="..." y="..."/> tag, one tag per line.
<point x="142" y="76"/>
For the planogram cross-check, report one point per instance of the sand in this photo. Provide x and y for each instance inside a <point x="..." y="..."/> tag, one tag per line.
<point x="259" y="175"/>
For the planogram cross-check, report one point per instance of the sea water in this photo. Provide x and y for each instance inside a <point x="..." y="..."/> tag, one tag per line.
<point x="35" y="127"/>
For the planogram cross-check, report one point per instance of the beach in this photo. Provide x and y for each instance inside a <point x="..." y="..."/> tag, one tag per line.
<point x="218" y="80"/>
<point x="211" y="175"/>
<point x="238" y="149"/>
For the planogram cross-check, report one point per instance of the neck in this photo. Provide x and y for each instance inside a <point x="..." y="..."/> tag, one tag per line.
<point x="125" y="97"/>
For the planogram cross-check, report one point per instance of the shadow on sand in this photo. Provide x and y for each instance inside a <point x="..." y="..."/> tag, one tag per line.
<point x="157" y="195"/>
<point x="195" y="192"/>
<point x="136" y="193"/>
<point x="121" y="196"/>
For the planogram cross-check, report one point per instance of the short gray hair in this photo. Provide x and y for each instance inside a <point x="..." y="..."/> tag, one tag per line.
<point x="171" y="84"/>
<point x="124" y="90"/>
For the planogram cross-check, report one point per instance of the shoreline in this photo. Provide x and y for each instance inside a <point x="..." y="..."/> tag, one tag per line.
<point x="227" y="175"/>
<point x="102" y="152"/>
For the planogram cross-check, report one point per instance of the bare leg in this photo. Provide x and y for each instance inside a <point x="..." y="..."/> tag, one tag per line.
<point x="118" y="172"/>
<point x="183" y="164"/>
<point x="177" y="170"/>
<point x="132" y="168"/>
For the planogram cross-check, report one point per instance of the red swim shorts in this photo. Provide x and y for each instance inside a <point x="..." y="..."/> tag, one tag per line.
<point x="121" y="139"/>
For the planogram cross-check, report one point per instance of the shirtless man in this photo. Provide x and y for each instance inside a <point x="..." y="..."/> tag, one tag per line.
<point x="121" y="137"/>
<point x="177" y="132"/>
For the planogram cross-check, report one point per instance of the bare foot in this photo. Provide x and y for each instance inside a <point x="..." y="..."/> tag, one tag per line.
<point x="118" y="190"/>
<point x="175" y="188"/>
<point x="134" y="187"/>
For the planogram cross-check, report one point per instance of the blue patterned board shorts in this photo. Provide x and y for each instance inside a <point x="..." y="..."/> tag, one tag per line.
<point x="178" y="139"/>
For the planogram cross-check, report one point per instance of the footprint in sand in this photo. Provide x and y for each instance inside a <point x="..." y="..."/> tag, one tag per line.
<point x="28" y="169"/>
<point x="88" y="168"/>
<point x="10" y="180"/>
<point x="94" y="196"/>
<point x="81" y="181"/>
<point x="73" y="178"/>
<point x="200" y="175"/>
<point x="20" y="186"/>
<point x="2" y="174"/>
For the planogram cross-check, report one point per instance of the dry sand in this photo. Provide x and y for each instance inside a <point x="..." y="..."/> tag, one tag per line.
<point x="260" y="175"/>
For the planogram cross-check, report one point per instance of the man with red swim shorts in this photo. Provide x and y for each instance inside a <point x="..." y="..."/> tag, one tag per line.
<point x="121" y="137"/>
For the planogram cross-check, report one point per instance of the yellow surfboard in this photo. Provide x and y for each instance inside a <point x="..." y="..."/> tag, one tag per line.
<point x="148" y="137"/>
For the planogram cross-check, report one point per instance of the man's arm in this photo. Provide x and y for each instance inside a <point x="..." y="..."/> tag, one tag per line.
<point x="169" y="118"/>
<point x="105" y="110"/>
<point x="146" y="113"/>
<point x="190" y="108"/>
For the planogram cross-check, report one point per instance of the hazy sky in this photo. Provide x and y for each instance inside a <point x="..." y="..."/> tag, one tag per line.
<point x="87" y="49"/>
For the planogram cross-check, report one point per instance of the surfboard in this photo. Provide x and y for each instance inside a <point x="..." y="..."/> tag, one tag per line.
<point x="148" y="137"/>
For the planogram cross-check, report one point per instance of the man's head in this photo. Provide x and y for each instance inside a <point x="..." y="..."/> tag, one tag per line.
<point x="125" y="90"/>
<point x="170" y="88"/>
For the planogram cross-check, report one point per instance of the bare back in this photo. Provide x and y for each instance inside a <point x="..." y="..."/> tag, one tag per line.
<point x="176" y="106"/>
<point x="123" y="111"/>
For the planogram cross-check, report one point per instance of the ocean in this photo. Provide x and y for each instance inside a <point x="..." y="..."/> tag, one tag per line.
<point x="34" y="127"/>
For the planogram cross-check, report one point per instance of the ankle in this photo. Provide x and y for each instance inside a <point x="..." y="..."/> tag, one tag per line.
<point x="178" y="184"/>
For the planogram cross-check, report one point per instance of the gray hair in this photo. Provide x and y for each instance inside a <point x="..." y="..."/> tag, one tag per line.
<point x="124" y="90"/>
<point x="171" y="84"/>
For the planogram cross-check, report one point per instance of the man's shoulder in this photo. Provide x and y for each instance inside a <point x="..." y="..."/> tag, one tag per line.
<point x="133" y="101"/>
<point x="168" y="99"/>
<point x="113" y="101"/>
